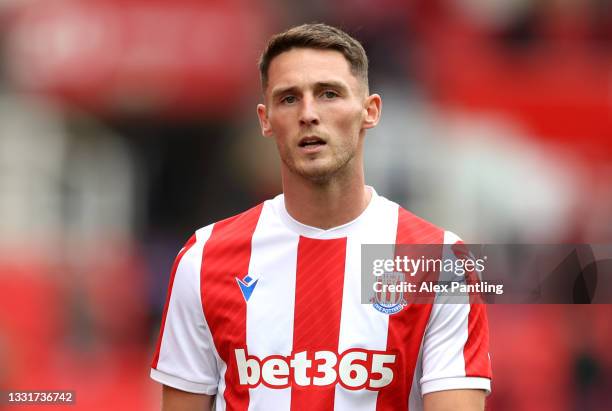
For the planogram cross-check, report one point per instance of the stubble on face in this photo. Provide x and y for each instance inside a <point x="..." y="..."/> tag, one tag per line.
<point x="321" y="169"/>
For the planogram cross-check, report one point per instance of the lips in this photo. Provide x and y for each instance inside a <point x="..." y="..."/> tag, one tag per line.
<point x="311" y="141"/>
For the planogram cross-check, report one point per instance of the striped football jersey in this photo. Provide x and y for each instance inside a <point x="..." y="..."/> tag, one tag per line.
<point x="267" y="314"/>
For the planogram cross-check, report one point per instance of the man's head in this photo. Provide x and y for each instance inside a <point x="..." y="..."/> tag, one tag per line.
<point x="317" y="106"/>
<point x="320" y="37"/>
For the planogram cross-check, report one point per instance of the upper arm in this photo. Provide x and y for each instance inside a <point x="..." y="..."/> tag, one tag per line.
<point x="186" y="357"/>
<point x="454" y="400"/>
<point x="455" y="352"/>
<point x="177" y="400"/>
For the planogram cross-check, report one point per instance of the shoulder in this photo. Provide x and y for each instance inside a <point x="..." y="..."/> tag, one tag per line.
<point x="229" y="229"/>
<point x="232" y="231"/>
<point x="413" y="229"/>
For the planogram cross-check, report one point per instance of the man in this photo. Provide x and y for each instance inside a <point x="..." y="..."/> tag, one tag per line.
<point x="264" y="308"/>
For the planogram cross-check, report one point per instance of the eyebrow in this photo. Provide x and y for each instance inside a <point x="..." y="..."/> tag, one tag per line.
<point x="284" y="90"/>
<point x="318" y="86"/>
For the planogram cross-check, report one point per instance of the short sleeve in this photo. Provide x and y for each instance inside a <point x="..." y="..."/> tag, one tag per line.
<point x="455" y="351"/>
<point x="186" y="358"/>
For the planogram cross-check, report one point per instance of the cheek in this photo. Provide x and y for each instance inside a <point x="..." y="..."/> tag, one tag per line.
<point x="348" y="122"/>
<point x="281" y="131"/>
<point x="280" y="125"/>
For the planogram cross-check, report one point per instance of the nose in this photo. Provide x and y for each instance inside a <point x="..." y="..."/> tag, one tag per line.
<point x="308" y="112"/>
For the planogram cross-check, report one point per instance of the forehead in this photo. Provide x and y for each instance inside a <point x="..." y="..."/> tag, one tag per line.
<point x="301" y="67"/>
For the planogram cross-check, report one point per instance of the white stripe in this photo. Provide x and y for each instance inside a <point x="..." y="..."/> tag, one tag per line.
<point x="447" y="331"/>
<point x="203" y="234"/>
<point x="188" y="359"/>
<point x="362" y="326"/>
<point x="270" y="309"/>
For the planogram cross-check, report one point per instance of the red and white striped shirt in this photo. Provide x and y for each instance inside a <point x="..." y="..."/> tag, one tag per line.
<point x="266" y="313"/>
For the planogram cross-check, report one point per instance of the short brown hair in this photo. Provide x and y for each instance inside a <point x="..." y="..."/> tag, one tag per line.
<point x="316" y="36"/>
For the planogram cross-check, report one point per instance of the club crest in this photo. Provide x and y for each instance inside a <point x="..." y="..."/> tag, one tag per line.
<point x="389" y="302"/>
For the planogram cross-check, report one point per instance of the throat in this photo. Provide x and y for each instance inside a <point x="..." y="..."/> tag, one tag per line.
<point x="329" y="207"/>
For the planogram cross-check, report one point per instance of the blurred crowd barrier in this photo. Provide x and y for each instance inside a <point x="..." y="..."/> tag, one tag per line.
<point x="127" y="124"/>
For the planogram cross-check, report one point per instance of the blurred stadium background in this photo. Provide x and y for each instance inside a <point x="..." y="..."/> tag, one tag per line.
<point x="127" y="124"/>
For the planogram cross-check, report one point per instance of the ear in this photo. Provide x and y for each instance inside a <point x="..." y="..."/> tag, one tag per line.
<point x="372" y="107"/>
<point x="262" y="114"/>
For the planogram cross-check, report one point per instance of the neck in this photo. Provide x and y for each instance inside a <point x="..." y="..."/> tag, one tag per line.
<point x="325" y="204"/>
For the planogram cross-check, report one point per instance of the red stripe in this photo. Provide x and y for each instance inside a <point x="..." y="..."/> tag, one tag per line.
<point x="407" y="327"/>
<point x="177" y="260"/>
<point x="476" y="349"/>
<point x="318" y="306"/>
<point x="226" y="256"/>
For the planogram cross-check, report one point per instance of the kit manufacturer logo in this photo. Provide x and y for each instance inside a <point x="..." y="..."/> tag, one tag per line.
<point x="247" y="285"/>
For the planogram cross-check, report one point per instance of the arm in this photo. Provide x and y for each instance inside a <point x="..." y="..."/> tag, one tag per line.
<point x="185" y="358"/>
<point x="456" y="368"/>
<point x="453" y="400"/>
<point x="177" y="400"/>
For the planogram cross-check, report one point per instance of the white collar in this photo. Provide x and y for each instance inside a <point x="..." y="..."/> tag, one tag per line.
<point x="315" y="232"/>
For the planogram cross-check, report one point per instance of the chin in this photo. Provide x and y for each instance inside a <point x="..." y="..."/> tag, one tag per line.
<point x="319" y="170"/>
<point x="318" y="173"/>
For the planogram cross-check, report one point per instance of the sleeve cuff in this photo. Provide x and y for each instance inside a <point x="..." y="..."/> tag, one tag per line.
<point x="456" y="383"/>
<point x="181" y="384"/>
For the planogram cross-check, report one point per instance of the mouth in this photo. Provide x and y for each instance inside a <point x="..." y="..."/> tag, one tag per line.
<point x="311" y="142"/>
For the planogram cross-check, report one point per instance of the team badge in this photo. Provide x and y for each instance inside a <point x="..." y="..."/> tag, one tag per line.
<point x="389" y="302"/>
<point x="247" y="285"/>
